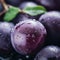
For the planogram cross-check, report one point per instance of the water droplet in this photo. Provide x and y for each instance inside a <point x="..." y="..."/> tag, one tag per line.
<point x="33" y="40"/>
<point x="35" y="31"/>
<point x="54" y="22"/>
<point x="27" y="56"/>
<point x="28" y="35"/>
<point x="33" y="35"/>
<point x="20" y="59"/>
<point x="20" y="39"/>
<point x="34" y="19"/>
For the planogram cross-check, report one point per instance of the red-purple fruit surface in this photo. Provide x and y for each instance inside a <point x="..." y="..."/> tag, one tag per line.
<point x="27" y="36"/>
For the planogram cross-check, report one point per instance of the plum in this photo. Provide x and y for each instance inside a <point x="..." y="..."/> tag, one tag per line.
<point x="5" y="40"/>
<point x="27" y="4"/>
<point x="13" y="2"/>
<point x="20" y="17"/>
<point x="50" y="4"/>
<point x="24" y="16"/>
<point x="51" y="21"/>
<point x="27" y="35"/>
<point x="49" y="53"/>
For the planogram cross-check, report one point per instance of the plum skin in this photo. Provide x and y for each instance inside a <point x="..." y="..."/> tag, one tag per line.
<point x="13" y="2"/>
<point x="27" y="4"/>
<point x="51" y="21"/>
<point x="20" y="17"/>
<point x="27" y="36"/>
<point x="24" y="16"/>
<point x="49" y="53"/>
<point x="50" y="4"/>
<point x="5" y="40"/>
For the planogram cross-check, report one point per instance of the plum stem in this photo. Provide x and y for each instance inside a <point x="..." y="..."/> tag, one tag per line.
<point x="2" y="12"/>
<point x="5" y="7"/>
<point x="20" y="11"/>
